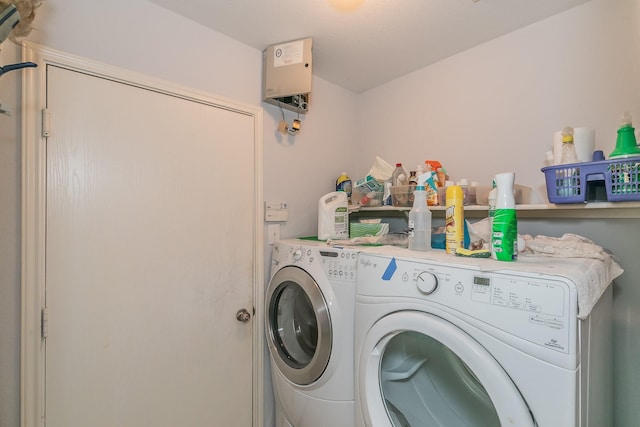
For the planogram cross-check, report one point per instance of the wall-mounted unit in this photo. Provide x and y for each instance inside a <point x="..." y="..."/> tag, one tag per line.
<point x="287" y="69"/>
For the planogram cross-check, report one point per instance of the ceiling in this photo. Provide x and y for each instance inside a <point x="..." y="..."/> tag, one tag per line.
<point x="377" y="41"/>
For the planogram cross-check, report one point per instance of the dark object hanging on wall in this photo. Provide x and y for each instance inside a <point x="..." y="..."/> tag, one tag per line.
<point x="18" y="66"/>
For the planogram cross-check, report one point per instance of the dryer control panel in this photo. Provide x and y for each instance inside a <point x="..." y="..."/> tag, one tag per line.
<point x="539" y="309"/>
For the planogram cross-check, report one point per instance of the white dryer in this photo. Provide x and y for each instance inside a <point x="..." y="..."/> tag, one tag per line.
<point x="444" y="343"/>
<point x="309" y="320"/>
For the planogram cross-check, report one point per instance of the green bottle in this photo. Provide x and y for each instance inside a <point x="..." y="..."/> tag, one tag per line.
<point x="504" y="231"/>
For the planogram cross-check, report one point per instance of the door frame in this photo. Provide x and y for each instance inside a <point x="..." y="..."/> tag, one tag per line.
<point x="32" y="390"/>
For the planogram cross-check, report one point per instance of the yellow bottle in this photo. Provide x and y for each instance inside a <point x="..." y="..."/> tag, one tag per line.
<point x="454" y="219"/>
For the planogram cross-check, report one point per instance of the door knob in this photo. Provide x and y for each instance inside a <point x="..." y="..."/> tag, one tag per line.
<point x="243" y="315"/>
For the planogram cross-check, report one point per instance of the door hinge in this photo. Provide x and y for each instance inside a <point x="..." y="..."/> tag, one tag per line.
<point x="44" y="323"/>
<point x="46" y="122"/>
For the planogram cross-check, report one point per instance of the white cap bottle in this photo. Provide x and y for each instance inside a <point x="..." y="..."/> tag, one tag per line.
<point x="420" y="221"/>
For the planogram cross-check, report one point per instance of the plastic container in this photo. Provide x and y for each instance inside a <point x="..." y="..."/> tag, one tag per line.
<point x="626" y="144"/>
<point x="504" y="230"/>
<point x="399" y="176"/>
<point x="402" y="196"/>
<point x="464" y="185"/>
<point x="472" y="193"/>
<point x="568" y="154"/>
<point x="615" y="180"/>
<point x="420" y="222"/>
<point x="454" y="219"/>
<point x="343" y="183"/>
<point x="413" y="178"/>
<point x="370" y="199"/>
<point x="333" y="216"/>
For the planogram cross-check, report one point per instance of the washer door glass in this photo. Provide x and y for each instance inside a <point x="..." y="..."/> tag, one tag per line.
<point x="420" y="370"/>
<point x="298" y="325"/>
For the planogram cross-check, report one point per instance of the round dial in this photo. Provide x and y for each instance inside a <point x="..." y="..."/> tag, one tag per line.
<point x="427" y="282"/>
<point x="297" y="254"/>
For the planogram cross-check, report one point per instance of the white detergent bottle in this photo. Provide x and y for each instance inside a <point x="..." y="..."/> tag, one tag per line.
<point x="333" y="216"/>
<point x="504" y="231"/>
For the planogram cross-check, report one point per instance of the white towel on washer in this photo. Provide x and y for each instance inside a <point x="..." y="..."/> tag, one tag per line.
<point x="595" y="277"/>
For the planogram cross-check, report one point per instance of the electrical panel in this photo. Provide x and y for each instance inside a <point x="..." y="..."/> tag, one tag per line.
<point x="287" y="70"/>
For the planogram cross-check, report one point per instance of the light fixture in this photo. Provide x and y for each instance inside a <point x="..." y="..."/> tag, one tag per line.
<point x="346" y="5"/>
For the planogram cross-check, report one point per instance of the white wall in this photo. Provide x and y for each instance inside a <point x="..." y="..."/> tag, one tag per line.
<point x="498" y="104"/>
<point x="142" y="37"/>
<point x="494" y="108"/>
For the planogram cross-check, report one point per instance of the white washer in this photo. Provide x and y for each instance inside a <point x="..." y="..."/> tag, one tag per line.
<point x="309" y="321"/>
<point x="441" y="343"/>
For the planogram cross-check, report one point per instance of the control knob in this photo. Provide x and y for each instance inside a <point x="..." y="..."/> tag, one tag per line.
<point x="427" y="282"/>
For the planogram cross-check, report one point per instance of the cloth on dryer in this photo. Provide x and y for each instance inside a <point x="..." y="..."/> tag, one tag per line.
<point x="596" y="278"/>
<point x="567" y="246"/>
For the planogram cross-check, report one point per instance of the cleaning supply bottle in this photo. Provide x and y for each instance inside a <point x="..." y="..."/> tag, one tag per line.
<point x="399" y="176"/>
<point x="504" y="231"/>
<point x="464" y="184"/>
<point x="343" y="183"/>
<point x="569" y="154"/>
<point x="413" y="178"/>
<point x="454" y="219"/>
<point x="626" y="143"/>
<point x="333" y="216"/>
<point x="472" y="195"/>
<point x="493" y="195"/>
<point x="420" y="221"/>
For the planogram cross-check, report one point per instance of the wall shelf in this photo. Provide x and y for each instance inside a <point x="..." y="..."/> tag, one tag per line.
<point x="582" y="210"/>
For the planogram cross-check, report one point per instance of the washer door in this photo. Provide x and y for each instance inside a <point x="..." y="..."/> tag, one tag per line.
<point x="298" y="323"/>
<point x="416" y="369"/>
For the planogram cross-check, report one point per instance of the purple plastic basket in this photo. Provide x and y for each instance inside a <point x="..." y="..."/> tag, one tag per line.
<point x="569" y="183"/>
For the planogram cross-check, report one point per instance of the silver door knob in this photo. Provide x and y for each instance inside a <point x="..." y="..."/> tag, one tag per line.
<point x="243" y="315"/>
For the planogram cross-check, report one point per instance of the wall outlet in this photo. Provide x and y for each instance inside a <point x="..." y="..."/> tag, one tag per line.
<point x="273" y="233"/>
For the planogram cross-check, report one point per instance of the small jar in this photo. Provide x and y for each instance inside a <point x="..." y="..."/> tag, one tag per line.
<point x="464" y="185"/>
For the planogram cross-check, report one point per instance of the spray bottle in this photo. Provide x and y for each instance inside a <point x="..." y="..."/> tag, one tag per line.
<point x="454" y="219"/>
<point x="504" y="231"/>
<point x="420" y="221"/>
<point x="493" y="195"/>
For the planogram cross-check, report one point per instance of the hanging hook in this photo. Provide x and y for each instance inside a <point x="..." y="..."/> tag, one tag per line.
<point x="18" y="66"/>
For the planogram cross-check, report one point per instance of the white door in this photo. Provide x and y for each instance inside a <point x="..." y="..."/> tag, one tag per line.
<point x="150" y="234"/>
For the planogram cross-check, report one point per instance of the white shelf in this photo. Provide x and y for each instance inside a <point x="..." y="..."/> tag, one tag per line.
<point x="578" y="210"/>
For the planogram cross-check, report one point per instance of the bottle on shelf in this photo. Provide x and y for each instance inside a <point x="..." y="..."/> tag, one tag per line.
<point x="569" y="154"/>
<point x="420" y="222"/>
<point x="399" y="176"/>
<point x="568" y="186"/>
<point x="472" y="194"/>
<point x="343" y="183"/>
<point x="413" y="178"/>
<point x="464" y="184"/>
<point x="493" y="194"/>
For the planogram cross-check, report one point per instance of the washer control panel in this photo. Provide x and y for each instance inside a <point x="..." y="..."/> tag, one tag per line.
<point x="338" y="264"/>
